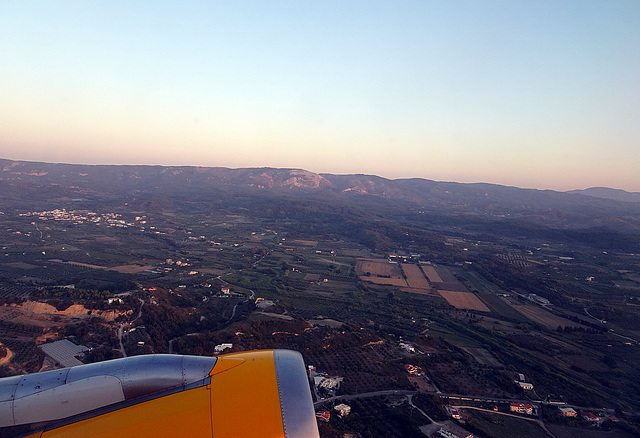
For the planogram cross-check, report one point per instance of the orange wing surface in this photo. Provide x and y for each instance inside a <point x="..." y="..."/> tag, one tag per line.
<point x="251" y="394"/>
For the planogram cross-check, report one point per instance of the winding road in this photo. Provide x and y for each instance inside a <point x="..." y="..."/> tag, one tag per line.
<point x="122" y="326"/>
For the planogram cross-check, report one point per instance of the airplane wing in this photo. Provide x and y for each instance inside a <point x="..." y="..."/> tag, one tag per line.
<point x="250" y="394"/>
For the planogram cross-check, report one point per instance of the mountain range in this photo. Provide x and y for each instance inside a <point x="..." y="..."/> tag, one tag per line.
<point x="23" y="182"/>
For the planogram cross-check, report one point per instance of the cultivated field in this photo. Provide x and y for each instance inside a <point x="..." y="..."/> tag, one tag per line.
<point x="463" y="300"/>
<point x="377" y="267"/>
<point x="130" y="269"/>
<point x="380" y="272"/>
<point x="431" y="273"/>
<point x="123" y="269"/>
<point x="415" y="277"/>
<point x="543" y="317"/>
<point x="84" y="265"/>
<point x="305" y="242"/>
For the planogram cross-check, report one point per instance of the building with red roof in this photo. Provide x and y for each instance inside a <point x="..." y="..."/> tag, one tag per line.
<point x="522" y="408"/>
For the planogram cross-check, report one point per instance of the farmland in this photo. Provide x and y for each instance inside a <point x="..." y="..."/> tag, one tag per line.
<point x="377" y="268"/>
<point x="463" y="300"/>
<point x="380" y="271"/>
<point x="415" y="277"/>
<point x="544" y="317"/>
<point x="431" y="273"/>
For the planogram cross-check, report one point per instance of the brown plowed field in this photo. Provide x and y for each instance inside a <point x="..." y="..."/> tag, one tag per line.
<point x="377" y="267"/>
<point x="463" y="300"/>
<point x="415" y="277"/>
<point x="380" y="272"/>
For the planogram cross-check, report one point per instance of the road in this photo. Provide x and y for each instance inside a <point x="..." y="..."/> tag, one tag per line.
<point x="623" y="337"/>
<point x="120" y="330"/>
<point x="602" y="321"/>
<point x="410" y="398"/>
<point x="233" y="314"/>
<point x="124" y="324"/>
<point x="39" y="230"/>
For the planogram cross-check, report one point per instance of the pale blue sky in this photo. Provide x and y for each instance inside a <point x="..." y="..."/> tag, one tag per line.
<point x="542" y="94"/>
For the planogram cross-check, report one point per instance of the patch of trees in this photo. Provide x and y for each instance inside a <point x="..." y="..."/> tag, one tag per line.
<point x="595" y="328"/>
<point x="571" y="329"/>
<point x="74" y="294"/>
<point x="15" y="329"/>
<point x="164" y="323"/>
<point x="92" y="332"/>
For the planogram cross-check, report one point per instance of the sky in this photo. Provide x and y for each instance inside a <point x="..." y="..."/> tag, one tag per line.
<point x="539" y="93"/>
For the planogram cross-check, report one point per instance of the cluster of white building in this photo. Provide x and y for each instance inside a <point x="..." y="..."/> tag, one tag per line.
<point x="523" y="384"/>
<point x="79" y="216"/>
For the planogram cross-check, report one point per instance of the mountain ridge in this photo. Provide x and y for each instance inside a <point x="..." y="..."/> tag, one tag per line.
<point x="608" y="193"/>
<point x="22" y="180"/>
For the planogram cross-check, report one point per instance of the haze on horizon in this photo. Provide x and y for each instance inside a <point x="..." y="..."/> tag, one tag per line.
<point x="531" y="94"/>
